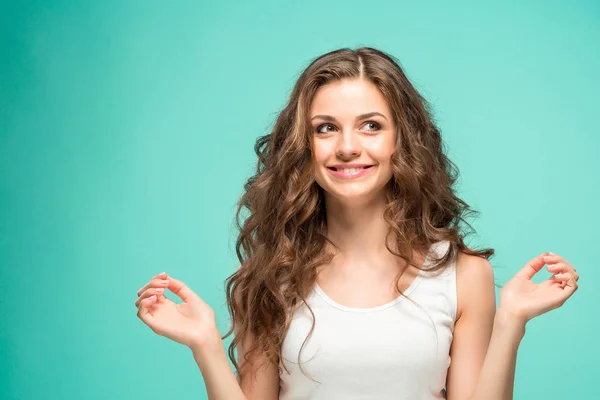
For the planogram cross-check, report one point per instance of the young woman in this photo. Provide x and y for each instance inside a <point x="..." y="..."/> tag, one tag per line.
<point x="355" y="281"/>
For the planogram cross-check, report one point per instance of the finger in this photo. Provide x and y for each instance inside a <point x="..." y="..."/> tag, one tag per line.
<point x="562" y="277"/>
<point x="563" y="284"/>
<point x="563" y="267"/>
<point x="532" y="267"/>
<point x="551" y="258"/>
<point x="160" y="276"/>
<point x="558" y="267"/>
<point x="155" y="282"/>
<point x="144" y="312"/>
<point x="570" y="287"/>
<point x="150" y="292"/>
<point x="555" y="259"/>
<point x="574" y="274"/>
<point x="559" y="280"/>
<point x="180" y="289"/>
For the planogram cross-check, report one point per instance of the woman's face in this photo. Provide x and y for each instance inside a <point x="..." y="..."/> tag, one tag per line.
<point x="354" y="137"/>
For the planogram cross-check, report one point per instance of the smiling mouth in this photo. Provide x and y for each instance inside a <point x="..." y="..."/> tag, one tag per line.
<point x="350" y="173"/>
<point x="350" y="170"/>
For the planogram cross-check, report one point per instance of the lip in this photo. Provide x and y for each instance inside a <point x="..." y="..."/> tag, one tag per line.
<point x="339" y="166"/>
<point x="365" y="170"/>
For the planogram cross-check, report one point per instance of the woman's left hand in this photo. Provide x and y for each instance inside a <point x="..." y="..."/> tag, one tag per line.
<point x="523" y="299"/>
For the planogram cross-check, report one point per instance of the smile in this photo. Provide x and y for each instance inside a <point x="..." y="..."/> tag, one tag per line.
<point x="349" y="173"/>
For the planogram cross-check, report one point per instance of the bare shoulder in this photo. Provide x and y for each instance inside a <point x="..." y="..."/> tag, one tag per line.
<point x="473" y="269"/>
<point x="475" y="282"/>
<point x="474" y="324"/>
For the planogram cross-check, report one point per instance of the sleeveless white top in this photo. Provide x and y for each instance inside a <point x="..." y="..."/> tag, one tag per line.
<point x="396" y="351"/>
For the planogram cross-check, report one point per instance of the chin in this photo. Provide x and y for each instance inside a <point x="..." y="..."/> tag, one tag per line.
<point x="353" y="197"/>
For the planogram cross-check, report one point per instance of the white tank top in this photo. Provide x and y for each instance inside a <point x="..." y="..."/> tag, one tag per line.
<point x="394" y="351"/>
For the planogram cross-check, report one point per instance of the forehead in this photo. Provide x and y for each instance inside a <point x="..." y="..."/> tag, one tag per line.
<point x="349" y="98"/>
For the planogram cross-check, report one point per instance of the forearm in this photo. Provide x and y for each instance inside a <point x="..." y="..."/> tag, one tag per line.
<point x="219" y="379"/>
<point x="497" y="376"/>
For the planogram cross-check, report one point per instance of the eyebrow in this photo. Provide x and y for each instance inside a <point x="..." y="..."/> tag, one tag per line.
<point x="361" y="116"/>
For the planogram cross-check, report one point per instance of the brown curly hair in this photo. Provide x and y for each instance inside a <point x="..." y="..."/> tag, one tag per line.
<point x="282" y="241"/>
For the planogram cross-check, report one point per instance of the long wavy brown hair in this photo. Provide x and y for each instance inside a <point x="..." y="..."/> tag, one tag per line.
<point x="282" y="241"/>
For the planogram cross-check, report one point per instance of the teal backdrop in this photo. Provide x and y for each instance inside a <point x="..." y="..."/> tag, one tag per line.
<point x="127" y="132"/>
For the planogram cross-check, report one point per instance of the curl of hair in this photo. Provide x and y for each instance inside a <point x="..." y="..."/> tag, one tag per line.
<point x="282" y="242"/>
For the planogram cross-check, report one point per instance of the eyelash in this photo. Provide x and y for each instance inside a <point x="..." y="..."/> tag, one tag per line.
<point x="377" y="127"/>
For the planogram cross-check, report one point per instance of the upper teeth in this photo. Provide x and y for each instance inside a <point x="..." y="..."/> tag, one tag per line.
<point x="350" y="170"/>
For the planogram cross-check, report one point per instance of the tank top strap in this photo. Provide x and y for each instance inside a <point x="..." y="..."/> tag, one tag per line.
<point x="441" y="282"/>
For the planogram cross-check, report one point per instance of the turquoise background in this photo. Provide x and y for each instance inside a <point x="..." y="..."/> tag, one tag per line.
<point x="126" y="134"/>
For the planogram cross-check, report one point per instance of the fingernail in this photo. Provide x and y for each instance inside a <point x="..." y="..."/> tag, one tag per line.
<point x="160" y="289"/>
<point x="551" y="253"/>
<point x="162" y="274"/>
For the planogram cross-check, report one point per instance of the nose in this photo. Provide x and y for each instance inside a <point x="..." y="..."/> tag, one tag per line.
<point x="348" y="145"/>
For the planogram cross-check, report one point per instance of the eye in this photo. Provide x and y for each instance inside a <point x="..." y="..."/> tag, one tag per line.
<point x="375" y="124"/>
<point x="318" y="130"/>
<point x="374" y="127"/>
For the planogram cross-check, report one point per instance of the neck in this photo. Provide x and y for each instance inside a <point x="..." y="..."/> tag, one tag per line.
<point x="358" y="230"/>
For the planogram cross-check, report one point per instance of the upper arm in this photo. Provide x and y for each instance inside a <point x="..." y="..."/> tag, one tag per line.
<point x="473" y="328"/>
<point x="260" y="378"/>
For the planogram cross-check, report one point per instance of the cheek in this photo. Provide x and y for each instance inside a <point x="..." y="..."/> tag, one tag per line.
<point x="318" y="159"/>
<point x="318" y="176"/>
<point x="383" y="151"/>
<point x="322" y="151"/>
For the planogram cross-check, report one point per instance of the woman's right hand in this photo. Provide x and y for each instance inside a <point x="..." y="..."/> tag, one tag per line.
<point x="191" y="323"/>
